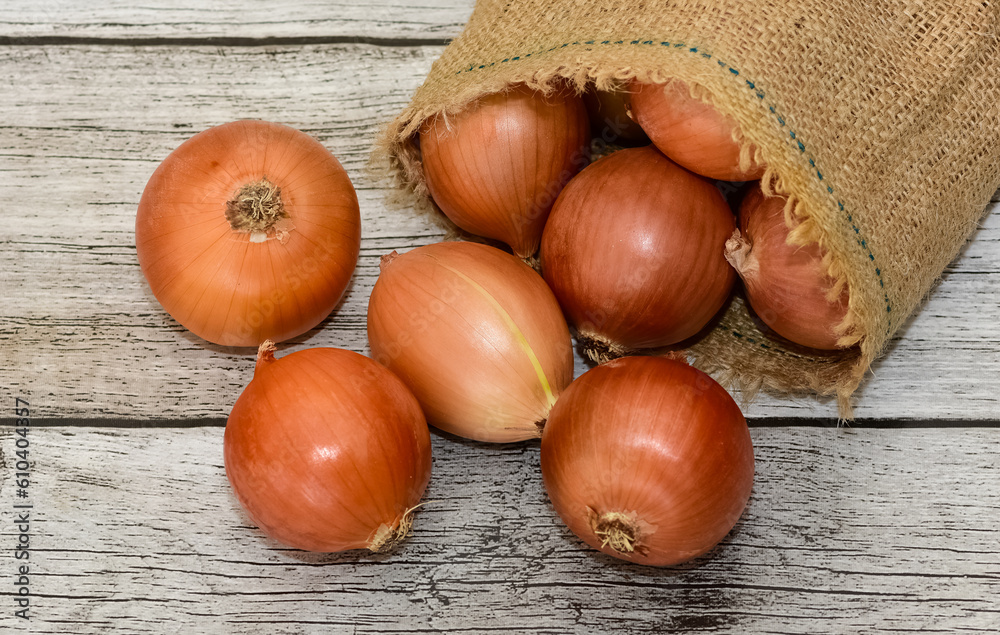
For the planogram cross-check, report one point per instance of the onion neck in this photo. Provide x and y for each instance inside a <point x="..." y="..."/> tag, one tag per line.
<point x="386" y="260"/>
<point x="265" y="355"/>
<point x="256" y="207"/>
<point x="739" y="253"/>
<point x="387" y="537"/>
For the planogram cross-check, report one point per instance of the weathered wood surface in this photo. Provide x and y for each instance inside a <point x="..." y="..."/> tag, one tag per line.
<point x="232" y="20"/>
<point x="85" y="126"/>
<point x="850" y="530"/>
<point x="847" y="531"/>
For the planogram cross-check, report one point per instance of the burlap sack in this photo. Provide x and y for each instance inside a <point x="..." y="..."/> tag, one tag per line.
<point x="880" y="119"/>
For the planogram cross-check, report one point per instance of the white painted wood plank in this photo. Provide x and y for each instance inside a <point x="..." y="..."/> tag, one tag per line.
<point x="847" y="531"/>
<point x="232" y="19"/>
<point x="84" y="127"/>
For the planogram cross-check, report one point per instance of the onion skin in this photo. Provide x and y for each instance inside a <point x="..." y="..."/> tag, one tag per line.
<point x="327" y="451"/>
<point x="238" y="287"/>
<point x="691" y="132"/>
<point x="476" y="335"/>
<point x="633" y="251"/>
<point x="495" y="168"/>
<point x="648" y="455"/>
<point x="786" y="285"/>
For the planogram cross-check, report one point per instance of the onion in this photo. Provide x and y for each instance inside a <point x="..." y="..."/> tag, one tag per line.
<point x="648" y="459"/>
<point x="327" y="451"/>
<point x="247" y="231"/>
<point x="691" y="132"/>
<point x="476" y="335"/>
<point x="496" y="168"/>
<point x="787" y="285"/>
<point x="633" y="250"/>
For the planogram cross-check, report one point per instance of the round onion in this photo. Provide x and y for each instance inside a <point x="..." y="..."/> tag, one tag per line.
<point x="633" y="251"/>
<point x="248" y="231"/>
<point x="648" y="459"/>
<point x="787" y="285"/>
<point x="327" y="451"/>
<point x="496" y="168"/>
<point x="691" y="132"/>
<point x="476" y="335"/>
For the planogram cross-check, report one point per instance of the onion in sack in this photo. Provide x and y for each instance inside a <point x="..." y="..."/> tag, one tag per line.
<point x="476" y="335"/>
<point x="648" y="459"/>
<point x="633" y="251"/>
<point x="496" y="168"/>
<point x="327" y="451"/>
<point x="786" y="285"/>
<point x="691" y="132"/>
<point x="248" y="231"/>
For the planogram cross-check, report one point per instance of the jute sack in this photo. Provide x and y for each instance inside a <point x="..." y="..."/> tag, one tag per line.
<point x="880" y="119"/>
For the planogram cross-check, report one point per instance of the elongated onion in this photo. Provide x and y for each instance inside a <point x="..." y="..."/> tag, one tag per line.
<point x="648" y="460"/>
<point x="633" y="251"/>
<point x="476" y="335"/>
<point x="327" y="451"/>
<point x="248" y="231"/>
<point x="496" y="168"/>
<point x="691" y="132"/>
<point x="786" y="285"/>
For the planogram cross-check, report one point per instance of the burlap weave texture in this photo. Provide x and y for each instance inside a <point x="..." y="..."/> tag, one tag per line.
<point x="881" y="121"/>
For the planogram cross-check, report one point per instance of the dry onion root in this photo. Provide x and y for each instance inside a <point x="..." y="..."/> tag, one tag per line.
<point x="633" y="251"/>
<point x="248" y="231"/>
<point x="328" y="451"/>
<point x="476" y="335"/>
<point x="787" y="285"/>
<point x="648" y="460"/>
<point x="496" y="168"/>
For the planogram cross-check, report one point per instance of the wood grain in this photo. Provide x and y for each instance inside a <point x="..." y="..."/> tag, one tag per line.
<point x="228" y="20"/>
<point x="847" y="531"/>
<point x="87" y="125"/>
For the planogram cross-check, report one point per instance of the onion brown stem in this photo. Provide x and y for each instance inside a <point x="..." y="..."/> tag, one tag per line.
<point x="265" y="355"/>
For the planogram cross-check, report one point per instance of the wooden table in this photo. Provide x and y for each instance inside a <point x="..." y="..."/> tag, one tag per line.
<point x="889" y="524"/>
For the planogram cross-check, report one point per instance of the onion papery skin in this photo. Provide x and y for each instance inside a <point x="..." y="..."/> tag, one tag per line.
<point x="691" y="132"/>
<point x="476" y="335"/>
<point x="634" y="252"/>
<point x="239" y="287"/>
<point x="786" y="285"/>
<point x="496" y="168"/>
<point x="648" y="454"/>
<point x="328" y="451"/>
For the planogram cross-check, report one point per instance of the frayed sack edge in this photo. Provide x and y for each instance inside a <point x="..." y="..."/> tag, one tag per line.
<point x="395" y="161"/>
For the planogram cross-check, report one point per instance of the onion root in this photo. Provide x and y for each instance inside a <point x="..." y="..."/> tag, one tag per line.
<point x="256" y="207"/>
<point x="601" y="350"/>
<point x="387" y="538"/>
<point x="616" y="530"/>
